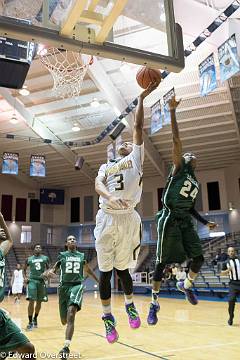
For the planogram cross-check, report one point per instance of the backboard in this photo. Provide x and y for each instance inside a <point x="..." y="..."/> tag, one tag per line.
<point x="138" y="32"/>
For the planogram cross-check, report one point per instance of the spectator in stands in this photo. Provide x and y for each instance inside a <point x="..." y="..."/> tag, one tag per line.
<point x="181" y="274"/>
<point x="221" y="257"/>
<point x="17" y="283"/>
<point x="232" y="268"/>
<point x="174" y="272"/>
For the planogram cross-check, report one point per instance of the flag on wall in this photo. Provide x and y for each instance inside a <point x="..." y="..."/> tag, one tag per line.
<point x="10" y="163"/>
<point x="228" y="58"/>
<point x="156" y="117"/>
<point x="166" y="98"/>
<point x="52" y="196"/>
<point x="207" y="75"/>
<point x="38" y="165"/>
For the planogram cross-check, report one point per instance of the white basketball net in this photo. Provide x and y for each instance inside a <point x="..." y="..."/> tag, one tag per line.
<point x="67" y="69"/>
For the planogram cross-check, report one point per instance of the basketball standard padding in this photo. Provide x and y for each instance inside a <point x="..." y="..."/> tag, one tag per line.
<point x="145" y="76"/>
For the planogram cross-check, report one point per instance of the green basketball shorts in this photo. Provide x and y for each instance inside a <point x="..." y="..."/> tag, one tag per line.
<point x="11" y="336"/>
<point x="69" y="295"/>
<point x="36" y="290"/>
<point x="177" y="238"/>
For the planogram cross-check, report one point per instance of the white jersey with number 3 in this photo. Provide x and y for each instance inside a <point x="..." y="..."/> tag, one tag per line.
<point x="124" y="178"/>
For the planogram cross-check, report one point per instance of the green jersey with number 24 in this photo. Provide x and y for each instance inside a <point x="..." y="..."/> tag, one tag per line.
<point x="181" y="189"/>
<point x="37" y="266"/>
<point x="71" y="267"/>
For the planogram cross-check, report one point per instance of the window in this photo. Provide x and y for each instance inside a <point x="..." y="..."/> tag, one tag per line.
<point x="213" y="195"/>
<point x="88" y="208"/>
<point x="49" y="236"/>
<point x="26" y="234"/>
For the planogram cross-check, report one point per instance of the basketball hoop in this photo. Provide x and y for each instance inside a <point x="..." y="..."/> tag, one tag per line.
<point x="67" y="69"/>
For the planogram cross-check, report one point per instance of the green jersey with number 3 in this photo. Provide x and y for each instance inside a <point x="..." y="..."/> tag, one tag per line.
<point x="2" y="275"/>
<point x="71" y="267"/>
<point x="37" y="266"/>
<point x="181" y="189"/>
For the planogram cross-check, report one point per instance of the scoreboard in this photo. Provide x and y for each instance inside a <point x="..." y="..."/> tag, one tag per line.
<point x="16" y="50"/>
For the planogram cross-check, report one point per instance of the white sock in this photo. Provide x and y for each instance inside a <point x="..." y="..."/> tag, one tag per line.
<point x="155" y="297"/>
<point x="128" y="300"/>
<point x="106" y="309"/>
<point x="67" y="343"/>
<point x="188" y="282"/>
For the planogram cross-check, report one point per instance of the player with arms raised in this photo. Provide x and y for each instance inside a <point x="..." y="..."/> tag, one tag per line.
<point x="177" y="238"/>
<point x="118" y="225"/>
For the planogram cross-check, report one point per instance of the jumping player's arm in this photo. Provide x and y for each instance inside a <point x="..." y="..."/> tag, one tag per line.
<point x="211" y="224"/>
<point x="89" y="271"/>
<point x="177" y="144"/>
<point x="101" y="189"/>
<point x="5" y="235"/>
<point x="139" y="119"/>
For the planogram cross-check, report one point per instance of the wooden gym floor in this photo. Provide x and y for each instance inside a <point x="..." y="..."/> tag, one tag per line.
<point x="184" y="332"/>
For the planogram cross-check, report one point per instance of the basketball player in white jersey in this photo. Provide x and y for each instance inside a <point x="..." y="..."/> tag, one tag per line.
<point x="118" y="225"/>
<point x="17" y="283"/>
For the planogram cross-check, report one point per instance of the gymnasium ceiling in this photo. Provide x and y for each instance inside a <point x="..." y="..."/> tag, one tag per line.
<point x="208" y="126"/>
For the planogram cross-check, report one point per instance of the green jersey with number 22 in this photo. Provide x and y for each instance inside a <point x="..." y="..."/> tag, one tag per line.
<point x="71" y="267"/>
<point x="181" y="190"/>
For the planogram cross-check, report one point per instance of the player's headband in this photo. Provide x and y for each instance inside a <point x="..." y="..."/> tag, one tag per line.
<point x="188" y="157"/>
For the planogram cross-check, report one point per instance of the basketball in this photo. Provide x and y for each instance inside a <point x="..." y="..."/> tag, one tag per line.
<point x="145" y="76"/>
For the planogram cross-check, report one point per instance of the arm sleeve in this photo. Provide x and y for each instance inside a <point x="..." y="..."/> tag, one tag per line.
<point x="138" y="153"/>
<point x="197" y="216"/>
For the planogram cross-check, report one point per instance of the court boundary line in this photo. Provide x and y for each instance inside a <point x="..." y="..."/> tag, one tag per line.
<point x="132" y="347"/>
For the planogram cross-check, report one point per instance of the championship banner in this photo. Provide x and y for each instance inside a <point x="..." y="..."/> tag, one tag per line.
<point x="166" y="98"/>
<point x="207" y="75"/>
<point x="110" y="152"/>
<point x="10" y="163"/>
<point x="38" y="165"/>
<point x="228" y="58"/>
<point x="156" y="117"/>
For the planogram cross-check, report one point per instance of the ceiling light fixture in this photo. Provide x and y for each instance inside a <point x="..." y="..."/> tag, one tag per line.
<point x="75" y="127"/>
<point x="14" y="119"/>
<point x="95" y="103"/>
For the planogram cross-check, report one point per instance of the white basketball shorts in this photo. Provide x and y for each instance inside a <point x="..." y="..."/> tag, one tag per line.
<point x="17" y="288"/>
<point x="118" y="238"/>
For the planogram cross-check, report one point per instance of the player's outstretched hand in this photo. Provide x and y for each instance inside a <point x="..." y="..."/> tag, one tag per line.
<point x="151" y="87"/>
<point x="117" y="203"/>
<point x="212" y="225"/>
<point x="173" y="103"/>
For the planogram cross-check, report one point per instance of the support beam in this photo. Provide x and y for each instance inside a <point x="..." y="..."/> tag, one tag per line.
<point x="104" y="83"/>
<point x="92" y="5"/>
<point x="110" y="20"/>
<point x="43" y="132"/>
<point x="73" y="17"/>
<point x="90" y="17"/>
